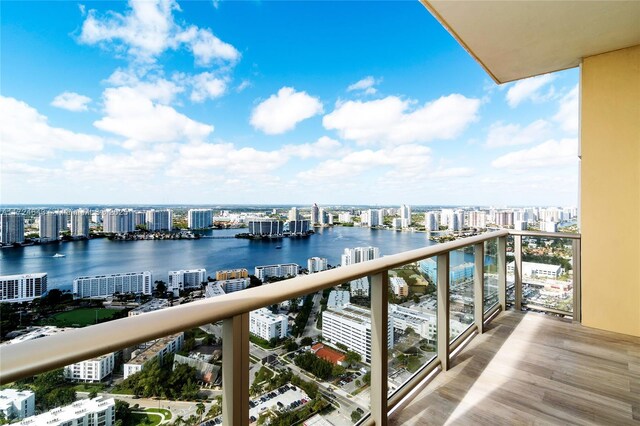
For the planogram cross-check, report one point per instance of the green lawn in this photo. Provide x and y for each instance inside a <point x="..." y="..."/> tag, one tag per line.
<point x="79" y="317"/>
<point x="167" y="413"/>
<point x="145" y="419"/>
<point x="263" y="374"/>
<point x="88" y="387"/>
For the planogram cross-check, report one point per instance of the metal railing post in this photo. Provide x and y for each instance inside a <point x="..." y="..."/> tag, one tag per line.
<point x="379" y="346"/>
<point x="443" y="310"/>
<point x="235" y="370"/>
<point x="502" y="272"/>
<point x="517" y="248"/>
<point x="577" y="280"/>
<point x="478" y="287"/>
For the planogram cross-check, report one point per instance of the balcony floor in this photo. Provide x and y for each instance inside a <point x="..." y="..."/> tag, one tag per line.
<point x="534" y="369"/>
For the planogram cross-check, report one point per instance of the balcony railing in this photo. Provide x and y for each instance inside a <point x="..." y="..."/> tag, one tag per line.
<point x="490" y="295"/>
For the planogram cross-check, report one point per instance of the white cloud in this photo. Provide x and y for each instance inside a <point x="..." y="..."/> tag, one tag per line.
<point x="529" y="89"/>
<point x="25" y="134"/>
<point x="243" y="85"/>
<point x="206" y="47"/>
<point x="224" y="158"/>
<point x="551" y="153"/>
<point x="365" y="85"/>
<point x="391" y="120"/>
<point x="282" y="111"/>
<point x="207" y="86"/>
<point x="501" y="134"/>
<point x="568" y="114"/>
<point x="322" y="148"/>
<point x="147" y="29"/>
<point x="452" y="172"/>
<point x="71" y="101"/>
<point x="130" y="114"/>
<point x="123" y="167"/>
<point x="405" y="160"/>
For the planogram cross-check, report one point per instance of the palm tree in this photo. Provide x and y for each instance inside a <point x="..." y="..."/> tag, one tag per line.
<point x="200" y="410"/>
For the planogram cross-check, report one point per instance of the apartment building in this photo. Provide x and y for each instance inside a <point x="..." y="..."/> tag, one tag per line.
<point x="23" y="287"/>
<point x="103" y="286"/>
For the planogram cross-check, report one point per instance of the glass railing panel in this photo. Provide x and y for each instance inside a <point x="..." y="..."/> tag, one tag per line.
<point x="461" y="291"/>
<point x="320" y="367"/>
<point x="413" y="315"/>
<point x="511" y="278"/>
<point x="490" y="297"/>
<point x="169" y="379"/>
<point x="547" y="274"/>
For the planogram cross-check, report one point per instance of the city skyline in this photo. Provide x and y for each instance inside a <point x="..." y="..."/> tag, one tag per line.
<point x="175" y="103"/>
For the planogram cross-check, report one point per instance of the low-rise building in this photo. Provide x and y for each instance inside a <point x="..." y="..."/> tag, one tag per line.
<point x="230" y="274"/>
<point x="359" y="287"/>
<point x="98" y="411"/>
<point x="16" y="404"/>
<point x="159" y="348"/>
<point x="23" y="287"/>
<point x="283" y="270"/>
<point x="267" y="325"/>
<point x="92" y="370"/>
<point x="237" y="284"/>
<point x="351" y="326"/>
<point x="317" y="264"/>
<point x="338" y="299"/>
<point x="150" y="306"/>
<point x="190" y="278"/>
<point x="537" y="270"/>
<point x="103" y="286"/>
<point x="214" y="289"/>
<point x="399" y="286"/>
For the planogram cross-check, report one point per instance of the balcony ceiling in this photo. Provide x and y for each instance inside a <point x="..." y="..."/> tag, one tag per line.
<point x="518" y="39"/>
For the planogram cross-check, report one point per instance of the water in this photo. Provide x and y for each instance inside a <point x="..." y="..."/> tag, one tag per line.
<point x="101" y="256"/>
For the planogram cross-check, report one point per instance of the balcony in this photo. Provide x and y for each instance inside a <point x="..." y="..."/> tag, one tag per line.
<point x="478" y="349"/>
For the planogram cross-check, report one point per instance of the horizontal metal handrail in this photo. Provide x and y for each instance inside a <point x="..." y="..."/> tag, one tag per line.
<point x="545" y="234"/>
<point x="28" y="358"/>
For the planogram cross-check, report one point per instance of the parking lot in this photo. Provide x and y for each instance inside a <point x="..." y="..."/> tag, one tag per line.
<point x="287" y="397"/>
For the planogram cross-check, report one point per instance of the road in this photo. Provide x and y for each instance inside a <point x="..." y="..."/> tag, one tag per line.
<point x="177" y="408"/>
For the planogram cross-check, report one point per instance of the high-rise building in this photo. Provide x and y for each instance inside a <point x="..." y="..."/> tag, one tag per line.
<point x="298" y="226"/>
<point x="199" y="218"/>
<point x="359" y="254"/>
<point x="159" y="220"/>
<point x="430" y="221"/>
<point x="49" y="225"/>
<point x="405" y="212"/>
<point x="80" y="223"/>
<point x="477" y="219"/>
<point x="140" y="218"/>
<point x="266" y="227"/>
<point x="460" y="219"/>
<point x="345" y="217"/>
<point x="11" y="228"/>
<point x="118" y="221"/>
<point x="315" y="214"/>
<point x="22" y="288"/>
<point x="351" y="326"/>
<point x="294" y="214"/>
<point x="102" y="286"/>
<point x="63" y="220"/>
<point x="316" y="264"/>
<point x="372" y="217"/>
<point x="504" y="218"/>
<point x="267" y="325"/>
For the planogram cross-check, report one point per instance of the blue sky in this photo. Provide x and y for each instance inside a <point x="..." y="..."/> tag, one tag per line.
<point x="206" y="102"/>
